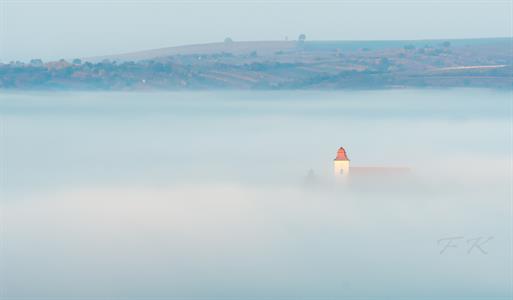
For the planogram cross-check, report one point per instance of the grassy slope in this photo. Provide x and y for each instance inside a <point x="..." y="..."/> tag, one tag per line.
<point x="270" y="47"/>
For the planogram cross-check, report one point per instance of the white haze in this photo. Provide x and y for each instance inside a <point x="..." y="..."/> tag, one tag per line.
<point x="202" y="195"/>
<point x="55" y="29"/>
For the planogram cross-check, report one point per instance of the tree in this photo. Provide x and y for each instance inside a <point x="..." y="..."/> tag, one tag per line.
<point x="228" y="40"/>
<point x="301" y="38"/>
<point x="384" y="64"/>
<point x="36" y="62"/>
<point x="409" y="47"/>
<point x="77" y="61"/>
<point x="446" y="44"/>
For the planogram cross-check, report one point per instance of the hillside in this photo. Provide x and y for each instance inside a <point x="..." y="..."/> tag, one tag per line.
<point x="236" y="48"/>
<point x="280" y="65"/>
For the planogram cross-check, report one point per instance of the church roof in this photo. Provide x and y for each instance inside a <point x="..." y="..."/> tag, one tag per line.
<point x="380" y="170"/>
<point x="341" y="154"/>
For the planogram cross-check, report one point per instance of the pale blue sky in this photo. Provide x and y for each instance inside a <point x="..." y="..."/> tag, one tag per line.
<point x="52" y="29"/>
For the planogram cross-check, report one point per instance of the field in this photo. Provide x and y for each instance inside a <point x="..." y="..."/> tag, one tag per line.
<point x="279" y="65"/>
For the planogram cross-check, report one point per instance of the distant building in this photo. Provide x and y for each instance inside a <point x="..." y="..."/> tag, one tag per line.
<point x="342" y="168"/>
<point x="341" y="163"/>
<point x="56" y="65"/>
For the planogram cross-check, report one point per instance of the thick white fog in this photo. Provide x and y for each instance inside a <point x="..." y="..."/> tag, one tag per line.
<point x="203" y="195"/>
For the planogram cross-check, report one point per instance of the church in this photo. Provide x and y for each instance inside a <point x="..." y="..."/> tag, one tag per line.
<point x="342" y="168"/>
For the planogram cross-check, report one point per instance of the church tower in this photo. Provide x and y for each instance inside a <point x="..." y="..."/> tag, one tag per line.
<point x="341" y="164"/>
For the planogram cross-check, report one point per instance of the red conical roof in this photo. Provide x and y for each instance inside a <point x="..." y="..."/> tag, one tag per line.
<point x="341" y="154"/>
